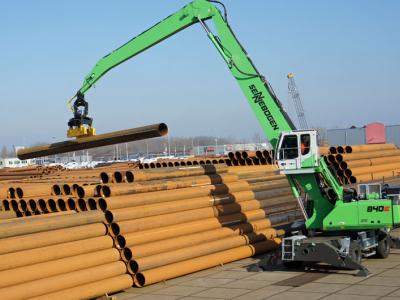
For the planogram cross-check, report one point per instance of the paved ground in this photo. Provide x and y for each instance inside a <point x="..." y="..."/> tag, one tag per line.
<point x="237" y="281"/>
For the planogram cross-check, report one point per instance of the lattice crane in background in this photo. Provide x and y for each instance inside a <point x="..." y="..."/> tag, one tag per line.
<point x="294" y="95"/>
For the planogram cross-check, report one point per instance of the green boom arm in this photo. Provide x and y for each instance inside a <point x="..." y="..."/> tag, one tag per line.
<point x="269" y="112"/>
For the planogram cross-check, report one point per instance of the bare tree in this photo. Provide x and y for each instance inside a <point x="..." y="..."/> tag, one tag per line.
<point x="4" y="152"/>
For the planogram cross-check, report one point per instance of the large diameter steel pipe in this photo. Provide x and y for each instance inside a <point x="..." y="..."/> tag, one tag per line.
<point x="39" y="224"/>
<point x="161" y="185"/>
<point x="48" y="253"/>
<point x="52" y="237"/>
<point x="62" y="281"/>
<point x="136" y="212"/>
<point x="370" y="147"/>
<point x="116" y="137"/>
<point x="178" y="172"/>
<point x="173" y="231"/>
<point x="56" y="267"/>
<point x="182" y="217"/>
<point x="366" y="155"/>
<point x="161" y="259"/>
<point x="203" y="262"/>
<point x="187" y="240"/>
<point x="372" y="169"/>
<point x="91" y="290"/>
<point x="171" y="195"/>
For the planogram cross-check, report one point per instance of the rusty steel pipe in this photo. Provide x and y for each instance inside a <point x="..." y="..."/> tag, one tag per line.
<point x="4" y="215"/>
<point x="59" y="266"/>
<point x="203" y="262"/>
<point x="178" y="172"/>
<point x="340" y="149"/>
<point x="62" y="281"/>
<point x="33" y="225"/>
<point x="99" y="140"/>
<point x="370" y="147"/>
<point x="161" y="259"/>
<point x="52" y="237"/>
<point x="182" y="217"/>
<point x="48" y="253"/>
<point x="369" y="162"/>
<point x="180" y="230"/>
<point x="366" y="155"/>
<point x="56" y="190"/>
<point x="333" y="150"/>
<point x="178" y="183"/>
<point x="171" y="195"/>
<point x="372" y="169"/>
<point x="178" y="242"/>
<point x="92" y="290"/>
<point x="85" y="191"/>
<point x="136" y="212"/>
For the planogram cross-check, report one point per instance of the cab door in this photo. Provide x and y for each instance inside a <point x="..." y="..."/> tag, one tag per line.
<point x="288" y="152"/>
<point x="309" y="152"/>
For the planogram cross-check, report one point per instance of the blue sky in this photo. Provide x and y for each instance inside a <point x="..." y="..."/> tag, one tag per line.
<point x="345" y="55"/>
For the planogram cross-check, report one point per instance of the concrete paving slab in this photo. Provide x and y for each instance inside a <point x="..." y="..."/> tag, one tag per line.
<point x="390" y="273"/>
<point x="158" y="297"/>
<point x="350" y="297"/>
<point x="195" y="298"/>
<point x="222" y="293"/>
<point x="247" y="284"/>
<point x="273" y="276"/>
<point x="179" y="290"/>
<point x="320" y="287"/>
<point x="396" y="293"/>
<point x="263" y="293"/>
<point x="382" y="281"/>
<point x="289" y="295"/>
<point x="340" y="278"/>
<point x="231" y="274"/>
<point x="371" y="290"/>
<point x="207" y="282"/>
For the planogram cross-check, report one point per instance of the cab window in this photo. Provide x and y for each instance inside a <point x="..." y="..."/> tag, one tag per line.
<point x="289" y="148"/>
<point x="305" y="144"/>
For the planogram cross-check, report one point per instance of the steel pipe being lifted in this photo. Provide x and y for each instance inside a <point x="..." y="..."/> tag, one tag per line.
<point x="116" y="137"/>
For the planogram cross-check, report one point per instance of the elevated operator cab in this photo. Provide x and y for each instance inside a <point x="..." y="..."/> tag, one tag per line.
<point x="297" y="151"/>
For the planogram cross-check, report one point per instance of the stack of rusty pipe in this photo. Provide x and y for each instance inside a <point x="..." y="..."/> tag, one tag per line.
<point x="365" y="163"/>
<point x="67" y="256"/>
<point x="27" y="172"/>
<point x="168" y="223"/>
<point x="172" y="221"/>
<point x="238" y="158"/>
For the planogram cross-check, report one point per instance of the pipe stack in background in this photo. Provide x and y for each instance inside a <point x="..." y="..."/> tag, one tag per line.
<point x="67" y="256"/>
<point x="238" y="158"/>
<point x="365" y="163"/>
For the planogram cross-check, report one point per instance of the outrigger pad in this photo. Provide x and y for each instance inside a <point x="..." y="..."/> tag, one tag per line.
<point x="326" y="250"/>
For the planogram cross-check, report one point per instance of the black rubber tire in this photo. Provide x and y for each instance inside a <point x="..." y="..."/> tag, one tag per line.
<point x="355" y="252"/>
<point x="383" y="248"/>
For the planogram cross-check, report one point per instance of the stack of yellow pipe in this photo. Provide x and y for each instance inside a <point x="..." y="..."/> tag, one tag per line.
<point x="68" y="256"/>
<point x="365" y="163"/>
